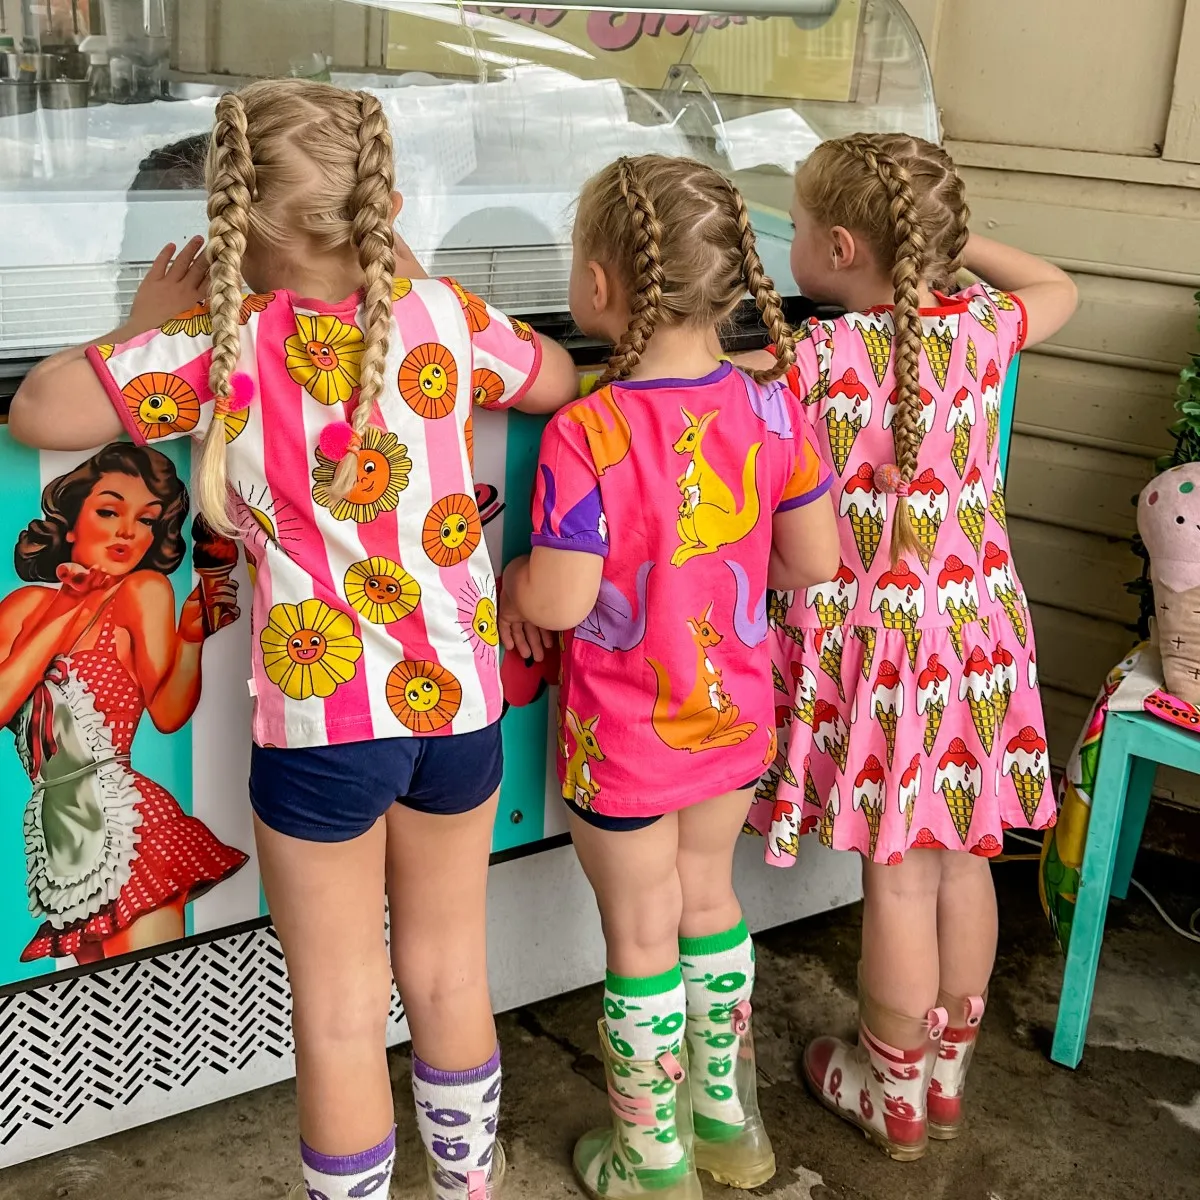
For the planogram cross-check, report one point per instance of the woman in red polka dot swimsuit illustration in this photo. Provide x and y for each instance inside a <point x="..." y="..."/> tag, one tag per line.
<point x="112" y="858"/>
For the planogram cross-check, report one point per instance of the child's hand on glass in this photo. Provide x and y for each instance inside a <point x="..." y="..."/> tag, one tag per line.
<point x="174" y="283"/>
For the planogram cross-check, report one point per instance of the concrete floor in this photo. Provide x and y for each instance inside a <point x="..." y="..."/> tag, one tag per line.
<point x="1125" y="1125"/>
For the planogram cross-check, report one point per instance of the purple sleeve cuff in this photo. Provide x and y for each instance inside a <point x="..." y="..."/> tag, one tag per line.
<point x="589" y="545"/>
<point x="808" y="497"/>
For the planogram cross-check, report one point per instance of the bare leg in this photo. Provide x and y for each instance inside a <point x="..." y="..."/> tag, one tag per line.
<point x="326" y="900"/>
<point x="437" y="891"/>
<point x="636" y="881"/>
<point x="708" y="835"/>
<point x="966" y="924"/>
<point x="900" y="943"/>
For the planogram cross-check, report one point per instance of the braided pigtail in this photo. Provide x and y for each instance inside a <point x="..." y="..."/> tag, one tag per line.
<point x="906" y="357"/>
<point x="762" y="288"/>
<point x="371" y="234"/>
<point x="648" y="277"/>
<point x="230" y="191"/>
<point x="960" y="230"/>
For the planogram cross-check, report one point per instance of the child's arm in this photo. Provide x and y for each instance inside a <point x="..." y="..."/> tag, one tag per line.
<point x="62" y="404"/>
<point x="555" y="384"/>
<point x="804" y="546"/>
<point x="552" y="589"/>
<point x="1048" y="294"/>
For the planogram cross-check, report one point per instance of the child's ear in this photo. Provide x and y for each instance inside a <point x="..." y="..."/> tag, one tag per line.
<point x="843" y="248"/>
<point x="397" y="205"/>
<point x="601" y="291"/>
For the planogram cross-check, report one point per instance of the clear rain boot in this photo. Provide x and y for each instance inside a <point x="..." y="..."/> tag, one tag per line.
<point x="945" y="1097"/>
<point x="649" y="1105"/>
<point x="738" y="1155"/>
<point x="472" y="1185"/>
<point x="878" y="1087"/>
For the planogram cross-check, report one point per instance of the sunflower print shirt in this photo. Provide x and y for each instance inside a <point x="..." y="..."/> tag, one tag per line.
<point x="374" y="613"/>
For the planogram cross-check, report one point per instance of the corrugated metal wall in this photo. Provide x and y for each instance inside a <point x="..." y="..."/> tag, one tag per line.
<point x="1058" y="115"/>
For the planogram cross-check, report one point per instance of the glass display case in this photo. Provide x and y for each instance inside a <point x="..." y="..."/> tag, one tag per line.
<point x="498" y="116"/>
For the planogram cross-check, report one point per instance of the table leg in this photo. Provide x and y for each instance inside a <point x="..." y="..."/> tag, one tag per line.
<point x="1137" y="804"/>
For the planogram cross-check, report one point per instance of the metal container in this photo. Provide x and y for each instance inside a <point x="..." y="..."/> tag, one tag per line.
<point x="17" y="97"/>
<point x="18" y="129"/>
<point x="63" y="93"/>
<point x="10" y="64"/>
<point x="37" y="67"/>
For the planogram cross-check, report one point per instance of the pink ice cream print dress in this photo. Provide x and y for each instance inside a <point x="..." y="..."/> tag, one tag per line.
<point x="667" y="696"/>
<point x="907" y="696"/>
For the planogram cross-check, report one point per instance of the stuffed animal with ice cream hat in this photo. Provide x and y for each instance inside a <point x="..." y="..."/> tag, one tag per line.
<point x="1169" y="524"/>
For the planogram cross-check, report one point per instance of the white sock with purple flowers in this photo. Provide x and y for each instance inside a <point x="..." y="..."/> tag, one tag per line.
<point x="457" y="1113"/>
<point x="351" y="1176"/>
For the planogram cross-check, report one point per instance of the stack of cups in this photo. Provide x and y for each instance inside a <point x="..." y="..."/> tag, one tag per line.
<point x="64" y="125"/>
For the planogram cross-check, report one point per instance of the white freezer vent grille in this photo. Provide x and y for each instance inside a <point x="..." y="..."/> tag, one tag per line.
<point x="45" y="308"/>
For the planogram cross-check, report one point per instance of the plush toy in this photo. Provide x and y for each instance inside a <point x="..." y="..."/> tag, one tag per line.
<point x="1169" y="522"/>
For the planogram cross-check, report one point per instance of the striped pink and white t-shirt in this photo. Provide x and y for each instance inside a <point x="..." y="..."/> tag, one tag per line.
<point x="374" y="616"/>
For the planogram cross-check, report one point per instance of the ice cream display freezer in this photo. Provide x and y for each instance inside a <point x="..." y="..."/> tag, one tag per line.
<point x="498" y="116"/>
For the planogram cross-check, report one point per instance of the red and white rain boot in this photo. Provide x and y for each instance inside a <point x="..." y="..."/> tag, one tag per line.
<point x="950" y="1070"/>
<point x="880" y="1088"/>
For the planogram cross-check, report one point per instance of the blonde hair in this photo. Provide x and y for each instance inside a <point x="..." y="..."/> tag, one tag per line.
<point x="289" y="160"/>
<point x="904" y="196"/>
<point x="678" y="236"/>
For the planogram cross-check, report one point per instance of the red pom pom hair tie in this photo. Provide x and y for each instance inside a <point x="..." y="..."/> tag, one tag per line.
<point x="888" y="479"/>
<point x="241" y="393"/>
<point x="338" y="440"/>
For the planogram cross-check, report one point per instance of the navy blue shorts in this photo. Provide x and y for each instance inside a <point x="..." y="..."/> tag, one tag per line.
<point x="622" y="824"/>
<point x="335" y="793"/>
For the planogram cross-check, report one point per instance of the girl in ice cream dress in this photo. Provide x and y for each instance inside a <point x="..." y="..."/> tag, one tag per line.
<point x="913" y="723"/>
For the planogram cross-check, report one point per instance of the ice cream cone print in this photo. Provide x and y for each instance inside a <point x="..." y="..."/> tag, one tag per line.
<point x="938" y="344"/>
<point x="933" y="690"/>
<point x="910" y="789"/>
<point x="960" y="420"/>
<point x="976" y="688"/>
<point x="806" y="692"/>
<point x="866" y="635"/>
<point x="846" y="409"/>
<point x="810" y="788"/>
<point x="1032" y="673"/>
<point x="983" y="312"/>
<point x="958" y="598"/>
<point x="1002" y="587"/>
<point x="866" y="507"/>
<point x="899" y="599"/>
<point x="869" y="788"/>
<point x="778" y="606"/>
<point x="1004" y="681"/>
<point x="887" y="704"/>
<point x="996" y="503"/>
<point x="1002" y="300"/>
<point x="958" y="777"/>
<point x="833" y="600"/>
<point x="830" y="732"/>
<point x="876" y="331"/>
<point x="778" y="680"/>
<point x="822" y="335"/>
<point x="928" y="505"/>
<point x="832" y="807"/>
<point x="1027" y="764"/>
<point x="925" y="417"/>
<point x="829" y="644"/>
<point x="972" y="359"/>
<point x="972" y="508"/>
<point x="990" y="393"/>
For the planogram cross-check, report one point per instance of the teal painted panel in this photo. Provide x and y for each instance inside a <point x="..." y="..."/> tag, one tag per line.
<point x="1008" y="406"/>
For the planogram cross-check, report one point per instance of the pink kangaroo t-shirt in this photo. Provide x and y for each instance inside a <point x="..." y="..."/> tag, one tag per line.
<point x="666" y="694"/>
<point x="374" y="615"/>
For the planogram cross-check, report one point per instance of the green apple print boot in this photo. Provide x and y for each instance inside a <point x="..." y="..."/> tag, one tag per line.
<point x="718" y="975"/>
<point x="647" y="1149"/>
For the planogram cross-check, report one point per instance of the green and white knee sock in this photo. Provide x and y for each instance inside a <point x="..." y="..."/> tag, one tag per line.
<point x="645" y="1019"/>
<point x="718" y="973"/>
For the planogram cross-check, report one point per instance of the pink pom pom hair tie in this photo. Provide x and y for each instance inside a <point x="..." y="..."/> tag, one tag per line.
<point x="338" y="440"/>
<point x="241" y="393"/>
<point x="889" y="480"/>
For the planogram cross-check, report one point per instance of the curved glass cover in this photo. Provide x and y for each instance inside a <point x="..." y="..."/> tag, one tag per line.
<point x="498" y="116"/>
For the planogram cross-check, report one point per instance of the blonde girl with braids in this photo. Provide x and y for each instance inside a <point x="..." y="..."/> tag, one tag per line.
<point x="666" y="503"/>
<point x="333" y="405"/>
<point x="916" y="736"/>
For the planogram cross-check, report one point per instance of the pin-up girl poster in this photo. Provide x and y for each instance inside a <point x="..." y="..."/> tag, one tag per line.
<point x="87" y="649"/>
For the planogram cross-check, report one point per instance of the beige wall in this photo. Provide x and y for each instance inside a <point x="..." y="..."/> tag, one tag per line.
<point x="1058" y="114"/>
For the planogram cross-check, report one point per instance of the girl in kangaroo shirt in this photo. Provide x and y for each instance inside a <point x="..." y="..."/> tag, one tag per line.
<point x="667" y="502"/>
